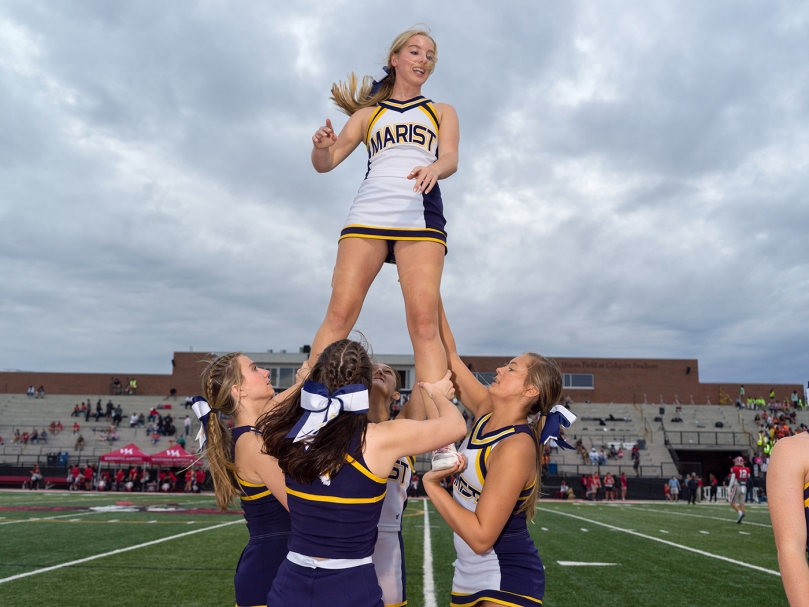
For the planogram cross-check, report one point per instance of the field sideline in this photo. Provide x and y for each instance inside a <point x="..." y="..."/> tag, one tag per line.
<point x="65" y="549"/>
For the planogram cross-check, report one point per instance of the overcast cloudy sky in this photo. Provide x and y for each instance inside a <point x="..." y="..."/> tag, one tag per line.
<point x="633" y="179"/>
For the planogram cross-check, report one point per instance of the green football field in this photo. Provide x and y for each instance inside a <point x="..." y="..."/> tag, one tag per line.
<point x="143" y="550"/>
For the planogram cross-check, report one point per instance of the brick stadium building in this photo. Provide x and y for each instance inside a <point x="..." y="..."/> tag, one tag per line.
<point x="598" y="380"/>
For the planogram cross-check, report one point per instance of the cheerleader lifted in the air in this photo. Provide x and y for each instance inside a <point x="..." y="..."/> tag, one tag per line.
<point x="397" y="215"/>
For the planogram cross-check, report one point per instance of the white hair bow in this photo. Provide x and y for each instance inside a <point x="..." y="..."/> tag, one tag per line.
<point x="321" y="406"/>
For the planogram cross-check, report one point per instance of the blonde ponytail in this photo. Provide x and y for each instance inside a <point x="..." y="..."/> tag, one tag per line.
<point x="217" y="380"/>
<point x="351" y="96"/>
<point x="543" y="374"/>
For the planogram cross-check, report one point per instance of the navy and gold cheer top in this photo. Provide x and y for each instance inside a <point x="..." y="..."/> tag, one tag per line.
<point x="337" y="517"/>
<point x="262" y="511"/>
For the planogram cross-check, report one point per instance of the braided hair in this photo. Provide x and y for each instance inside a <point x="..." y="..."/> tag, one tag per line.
<point x="218" y="378"/>
<point x="342" y="363"/>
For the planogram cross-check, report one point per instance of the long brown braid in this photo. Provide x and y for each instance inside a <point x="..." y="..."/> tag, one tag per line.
<point x="545" y="376"/>
<point x="342" y="363"/>
<point x="217" y="380"/>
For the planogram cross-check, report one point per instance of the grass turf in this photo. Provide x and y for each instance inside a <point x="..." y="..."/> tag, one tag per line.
<point x="198" y="569"/>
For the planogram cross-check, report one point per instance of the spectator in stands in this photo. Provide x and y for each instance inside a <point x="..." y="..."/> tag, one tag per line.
<point x="88" y="411"/>
<point x="199" y="480"/>
<point x="636" y="460"/>
<point x="596" y="484"/>
<point x="118" y="485"/>
<point x="36" y="477"/>
<point x="25" y="437"/>
<point x="88" y="477"/>
<point x="172" y="393"/>
<point x="187" y="425"/>
<point x="43" y="436"/>
<point x="141" y="420"/>
<point x="31" y="392"/>
<point x="609" y="487"/>
<point x="133" y="420"/>
<point x="133" y="386"/>
<point x="693" y="488"/>
<point x="181" y="441"/>
<point x="118" y="415"/>
<point x="674" y="488"/>
<point x="623" y="486"/>
<point x="79" y="444"/>
<point x="613" y="454"/>
<point x="34" y="436"/>
<point x="152" y="414"/>
<point x="76" y="427"/>
<point x="593" y="456"/>
<point x="109" y="410"/>
<point x="99" y="411"/>
<point x="41" y="392"/>
<point x="76" y="411"/>
<point x="15" y="440"/>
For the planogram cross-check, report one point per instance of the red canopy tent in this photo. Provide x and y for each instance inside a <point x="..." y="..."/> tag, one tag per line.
<point x="173" y="456"/>
<point x="131" y="454"/>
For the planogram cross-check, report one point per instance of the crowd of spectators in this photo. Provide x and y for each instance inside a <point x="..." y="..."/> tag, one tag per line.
<point x="135" y="478"/>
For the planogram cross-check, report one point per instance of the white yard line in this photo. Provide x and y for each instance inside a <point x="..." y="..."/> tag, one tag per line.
<point x="429" y="583"/>
<point x="47" y="518"/>
<point x="713" y="518"/>
<point x="120" y="550"/>
<point x="668" y="543"/>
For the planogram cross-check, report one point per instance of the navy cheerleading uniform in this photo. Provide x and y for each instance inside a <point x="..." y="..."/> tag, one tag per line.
<point x="269" y="526"/>
<point x="401" y="135"/>
<point x="509" y="573"/>
<point x="334" y="531"/>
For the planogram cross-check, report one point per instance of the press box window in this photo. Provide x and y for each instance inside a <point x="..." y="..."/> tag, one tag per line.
<point x="581" y="381"/>
<point x="281" y="377"/>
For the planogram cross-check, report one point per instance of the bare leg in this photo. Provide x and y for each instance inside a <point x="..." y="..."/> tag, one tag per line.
<point x="420" y="265"/>
<point x="358" y="262"/>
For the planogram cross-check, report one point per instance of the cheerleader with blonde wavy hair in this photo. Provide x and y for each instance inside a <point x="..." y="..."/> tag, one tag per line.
<point x="397" y="214"/>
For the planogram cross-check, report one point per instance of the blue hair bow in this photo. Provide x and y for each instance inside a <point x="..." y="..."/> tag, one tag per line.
<point x="557" y="417"/>
<point x="202" y="410"/>
<point x="321" y="406"/>
<point x="379" y="79"/>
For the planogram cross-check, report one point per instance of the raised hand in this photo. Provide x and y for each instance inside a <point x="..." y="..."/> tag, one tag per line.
<point x="325" y="136"/>
<point x="425" y="177"/>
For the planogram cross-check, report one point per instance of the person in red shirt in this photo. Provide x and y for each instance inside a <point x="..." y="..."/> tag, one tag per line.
<point x="173" y="480"/>
<point x="119" y="479"/>
<point x="737" y="487"/>
<point x="76" y="474"/>
<point x="623" y="486"/>
<point x="189" y="480"/>
<point x="88" y="477"/>
<point x="200" y="479"/>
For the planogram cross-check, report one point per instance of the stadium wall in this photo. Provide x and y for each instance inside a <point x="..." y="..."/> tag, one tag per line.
<point x="628" y="380"/>
<point x="619" y="380"/>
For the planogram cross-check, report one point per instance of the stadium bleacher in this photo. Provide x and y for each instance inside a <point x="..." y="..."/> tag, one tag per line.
<point x="17" y="411"/>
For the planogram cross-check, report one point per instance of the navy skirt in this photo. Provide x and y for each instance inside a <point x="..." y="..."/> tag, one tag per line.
<point x="297" y="586"/>
<point x="258" y="567"/>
